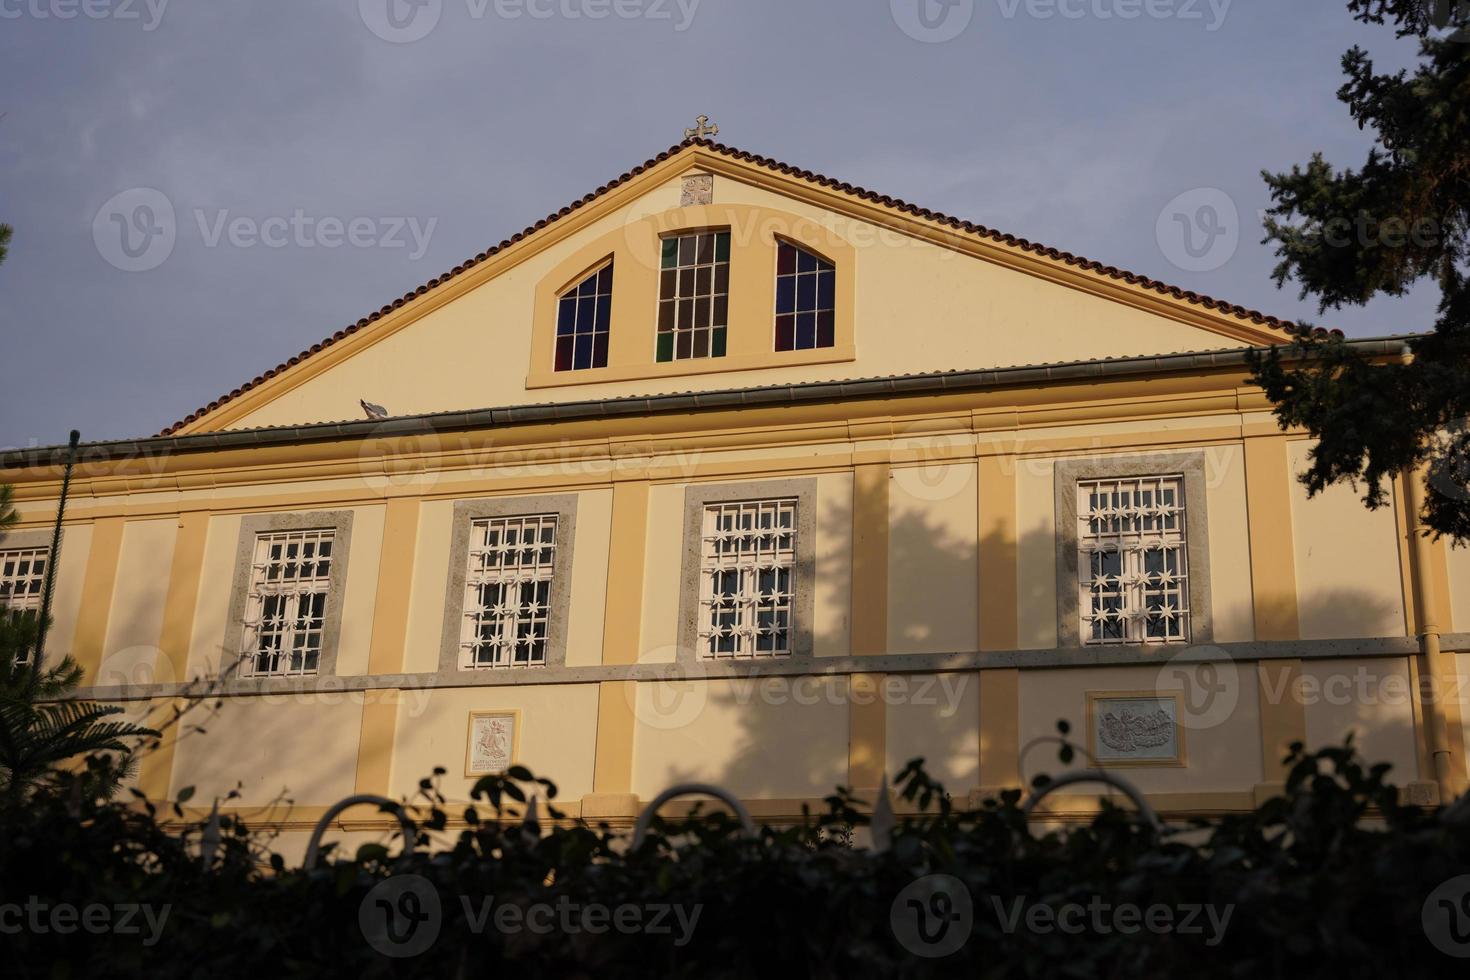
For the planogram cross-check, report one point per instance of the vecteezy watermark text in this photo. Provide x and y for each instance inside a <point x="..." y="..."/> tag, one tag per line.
<point x="406" y="21"/>
<point x="402" y="917"/>
<point x="150" y="12"/>
<point x="63" y="918"/>
<point x="935" y="21"/>
<point x="136" y="230"/>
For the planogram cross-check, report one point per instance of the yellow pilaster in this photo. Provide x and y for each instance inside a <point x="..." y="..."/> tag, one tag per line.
<point x="870" y="559"/>
<point x="96" y="606"/>
<point x="155" y="769"/>
<point x="867" y="731"/>
<point x="395" y="587"/>
<point x="1000" y="730"/>
<point x="1268" y="479"/>
<point x="612" y="798"/>
<point x="375" y="742"/>
<point x="622" y="620"/>
<point x="998" y="619"/>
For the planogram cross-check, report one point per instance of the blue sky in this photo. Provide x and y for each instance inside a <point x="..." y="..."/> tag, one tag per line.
<point x="321" y="158"/>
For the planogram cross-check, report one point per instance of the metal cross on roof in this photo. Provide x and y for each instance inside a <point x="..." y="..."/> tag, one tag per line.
<point x="701" y="129"/>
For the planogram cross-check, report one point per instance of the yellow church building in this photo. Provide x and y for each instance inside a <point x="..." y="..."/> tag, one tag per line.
<point x="732" y="472"/>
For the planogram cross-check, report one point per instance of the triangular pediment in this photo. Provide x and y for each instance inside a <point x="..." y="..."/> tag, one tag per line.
<point x="916" y="291"/>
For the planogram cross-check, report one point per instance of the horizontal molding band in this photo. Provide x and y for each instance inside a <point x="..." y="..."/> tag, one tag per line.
<point x="774" y="395"/>
<point x="894" y="663"/>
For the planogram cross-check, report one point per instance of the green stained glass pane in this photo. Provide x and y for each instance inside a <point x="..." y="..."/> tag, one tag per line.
<point x="666" y="346"/>
<point x="671" y="253"/>
<point x="717" y="344"/>
<point x="722" y="247"/>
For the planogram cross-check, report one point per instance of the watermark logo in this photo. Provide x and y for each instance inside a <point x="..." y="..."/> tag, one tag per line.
<point x="149" y="12"/>
<point x="1199" y="230"/>
<point x="401" y="917"/>
<point x="933" y="468"/>
<point x="1103" y="918"/>
<point x="932" y="21"/>
<point x="406" y="21"/>
<point x="933" y="916"/>
<point x="672" y="698"/>
<point x="135" y="229"/>
<point x="63" y="918"/>
<point x="1207" y="682"/>
<point x="400" y="21"/>
<point x="1446" y="917"/>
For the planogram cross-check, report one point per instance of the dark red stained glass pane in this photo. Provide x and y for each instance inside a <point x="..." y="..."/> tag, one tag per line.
<point x="785" y="331"/>
<point x="599" y="350"/>
<point x="785" y="259"/>
<point x="826" y="328"/>
<point x="564" y="353"/>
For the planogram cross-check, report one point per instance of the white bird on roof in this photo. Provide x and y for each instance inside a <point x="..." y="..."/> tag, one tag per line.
<point x="375" y="412"/>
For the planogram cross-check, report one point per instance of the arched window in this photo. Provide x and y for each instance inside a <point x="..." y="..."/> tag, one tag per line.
<point x="806" y="286"/>
<point x="582" y="317"/>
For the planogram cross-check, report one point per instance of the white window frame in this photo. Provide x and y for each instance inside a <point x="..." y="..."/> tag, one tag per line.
<point x="748" y="578"/>
<point x="12" y="561"/>
<point x="1133" y="560"/>
<point x="287" y="575"/>
<point x="497" y="557"/>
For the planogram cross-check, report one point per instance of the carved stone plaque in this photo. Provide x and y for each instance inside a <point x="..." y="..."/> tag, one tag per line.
<point x="698" y="189"/>
<point x="493" y="738"/>
<point x="1134" y="729"/>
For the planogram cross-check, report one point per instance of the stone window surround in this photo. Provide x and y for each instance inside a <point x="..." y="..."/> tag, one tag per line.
<point x="1191" y="467"/>
<point x="251" y="527"/>
<point x="466" y="512"/>
<point x="696" y="496"/>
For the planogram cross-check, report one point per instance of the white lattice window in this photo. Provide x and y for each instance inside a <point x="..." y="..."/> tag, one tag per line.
<point x="1132" y="563"/>
<point x="22" y="576"/>
<point x="286" y="607"/>
<point x="507" y="605"/>
<point x="747" y="583"/>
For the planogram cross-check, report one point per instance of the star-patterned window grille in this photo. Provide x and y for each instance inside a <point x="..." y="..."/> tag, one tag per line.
<point x="286" y="607"/>
<point x="22" y="576"/>
<point x="747" y="579"/>
<point x="507" y="604"/>
<point x="1132" y="563"/>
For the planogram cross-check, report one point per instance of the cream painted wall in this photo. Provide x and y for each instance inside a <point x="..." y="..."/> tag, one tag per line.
<point x="361" y="593"/>
<point x="130" y="652"/>
<point x="910" y="298"/>
<point x="1347" y="562"/>
<point x="66" y="603"/>
<point x="1373" y="700"/>
<point x="665" y="555"/>
<point x="557" y="739"/>
<point x="659" y="635"/>
<point x="833" y="601"/>
<point x="430" y="579"/>
<point x="1458" y="561"/>
<point x="1222" y="742"/>
<point x="933" y="578"/>
<point x="936" y="716"/>
<point x="589" y="578"/>
<point x="1036" y="553"/>
<point x="300" y="746"/>
<point x="213" y="606"/>
<point x="1231" y="602"/>
<point x="777" y="737"/>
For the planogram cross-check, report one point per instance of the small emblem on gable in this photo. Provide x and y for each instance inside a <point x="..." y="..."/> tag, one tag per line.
<point x="698" y="189"/>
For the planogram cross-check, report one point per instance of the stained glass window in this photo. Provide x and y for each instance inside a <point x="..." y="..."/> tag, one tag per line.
<point x="582" y="318"/>
<point x="805" y="299"/>
<point x="694" y="296"/>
